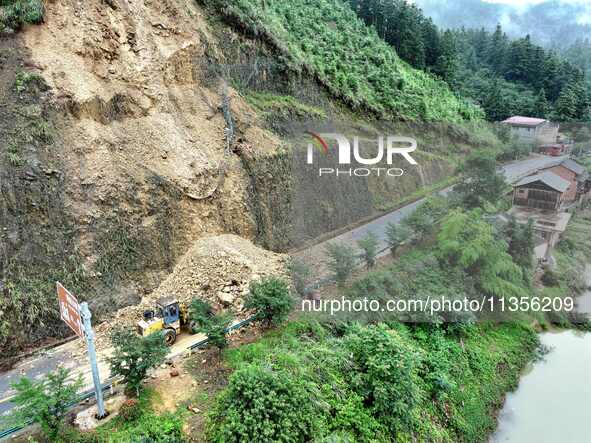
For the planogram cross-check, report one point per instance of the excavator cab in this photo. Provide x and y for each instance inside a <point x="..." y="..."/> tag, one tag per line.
<point x="167" y="318"/>
<point x="169" y="310"/>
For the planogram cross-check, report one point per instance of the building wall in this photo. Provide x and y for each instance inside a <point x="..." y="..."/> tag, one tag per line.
<point x="547" y="133"/>
<point x="544" y="133"/>
<point x="571" y="194"/>
<point x="527" y="134"/>
<point x="533" y="197"/>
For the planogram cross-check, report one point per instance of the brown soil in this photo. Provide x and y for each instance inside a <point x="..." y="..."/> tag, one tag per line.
<point x="216" y="269"/>
<point x="140" y="165"/>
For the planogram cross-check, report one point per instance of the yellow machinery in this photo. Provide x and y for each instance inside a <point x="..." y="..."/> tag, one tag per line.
<point x="169" y="317"/>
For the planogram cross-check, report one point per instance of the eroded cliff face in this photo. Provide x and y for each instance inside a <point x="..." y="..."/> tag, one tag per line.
<point x="138" y="166"/>
<point x="116" y="155"/>
<point x="128" y="75"/>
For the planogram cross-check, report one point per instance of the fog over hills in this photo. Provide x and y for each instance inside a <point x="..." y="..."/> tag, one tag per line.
<point x="551" y="23"/>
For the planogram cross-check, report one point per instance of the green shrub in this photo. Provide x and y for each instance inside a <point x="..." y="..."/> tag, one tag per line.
<point x="45" y="401"/>
<point x="133" y="356"/>
<point x="264" y="405"/>
<point x="550" y="278"/>
<point x="385" y="374"/>
<point x="200" y="313"/>
<point x="396" y="236"/>
<point x="216" y="330"/>
<point x="25" y="80"/>
<point x="369" y="246"/>
<point x="15" y="13"/>
<point x="300" y="274"/>
<point x="130" y="410"/>
<point x="271" y="299"/>
<point x="341" y="261"/>
<point x="423" y="221"/>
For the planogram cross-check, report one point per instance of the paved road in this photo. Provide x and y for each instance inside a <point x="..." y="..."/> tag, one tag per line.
<point x="315" y="256"/>
<point x="72" y="354"/>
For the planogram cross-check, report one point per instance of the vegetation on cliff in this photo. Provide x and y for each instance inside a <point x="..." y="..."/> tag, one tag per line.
<point x="326" y="39"/>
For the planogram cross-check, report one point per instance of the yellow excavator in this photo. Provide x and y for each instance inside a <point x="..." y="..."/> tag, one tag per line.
<point x="169" y="316"/>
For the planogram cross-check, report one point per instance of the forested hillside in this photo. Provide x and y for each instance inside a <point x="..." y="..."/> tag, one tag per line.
<point x="579" y="54"/>
<point x="505" y="76"/>
<point x="511" y="77"/>
<point x="326" y="38"/>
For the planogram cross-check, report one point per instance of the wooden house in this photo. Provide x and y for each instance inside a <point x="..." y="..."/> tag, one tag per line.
<point x="545" y="190"/>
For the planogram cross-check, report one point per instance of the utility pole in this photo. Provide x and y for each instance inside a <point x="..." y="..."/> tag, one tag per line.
<point x="89" y="334"/>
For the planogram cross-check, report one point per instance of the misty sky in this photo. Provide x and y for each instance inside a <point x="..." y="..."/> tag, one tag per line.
<point x="552" y="23"/>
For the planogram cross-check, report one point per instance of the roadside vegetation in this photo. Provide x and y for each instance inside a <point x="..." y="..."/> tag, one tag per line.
<point x="44" y="402"/>
<point x="137" y="422"/>
<point x="404" y="377"/>
<point x="386" y="382"/>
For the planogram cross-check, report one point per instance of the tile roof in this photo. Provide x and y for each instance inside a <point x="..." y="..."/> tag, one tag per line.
<point x="548" y="178"/>
<point x="574" y="166"/>
<point x="524" y="121"/>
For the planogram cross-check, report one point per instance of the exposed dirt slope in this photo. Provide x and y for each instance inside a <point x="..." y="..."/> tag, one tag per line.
<point x="128" y="75"/>
<point x="139" y="157"/>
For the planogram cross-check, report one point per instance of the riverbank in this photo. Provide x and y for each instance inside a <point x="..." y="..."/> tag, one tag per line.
<point x="386" y="383"/>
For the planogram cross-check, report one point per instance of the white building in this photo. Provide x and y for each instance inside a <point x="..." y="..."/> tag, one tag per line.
<point x="533" y="130"/>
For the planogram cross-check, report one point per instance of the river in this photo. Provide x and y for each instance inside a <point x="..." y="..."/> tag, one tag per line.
<point x="553" y="401"/>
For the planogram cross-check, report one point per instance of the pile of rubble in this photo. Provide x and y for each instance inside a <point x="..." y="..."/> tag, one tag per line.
<point x="216" y="269"/>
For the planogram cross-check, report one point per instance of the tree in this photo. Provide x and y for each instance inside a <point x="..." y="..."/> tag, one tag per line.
<point x="396" y="235"/>
<point x="369" y="245"/>
<point x="45" y="401"/>
<point x="521" y="242"/>
<point x="494" y="103"/>
<point x="300" y="275"/>
<point x="567" y="103"/>
<point x="271" y="299"/>
<point x="423" y="220"/>
<point x="467" y="241"/>
<point x="216" y="330"/>
<point x="134" y="356"/>
<point x="541" y="107"/>
<point x="480" y="183"/>
<point x="446" y="65"/>
<point x="200" y="313"/>
<point x="496" y="52"/>
<point x="341" y="261"/>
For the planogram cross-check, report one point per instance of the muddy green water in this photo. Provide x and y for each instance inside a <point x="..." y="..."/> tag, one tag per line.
<point x="553" y="401"/>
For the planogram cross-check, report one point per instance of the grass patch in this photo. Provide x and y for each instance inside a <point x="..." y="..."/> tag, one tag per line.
<point x="144" y="426"/>
<point x="14" y="14"/>
<point x="284" y="106"/>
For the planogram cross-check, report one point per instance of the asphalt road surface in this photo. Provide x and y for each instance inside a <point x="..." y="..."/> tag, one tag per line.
<point x="315" y="256"/>
<point x="72" y="354"/>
